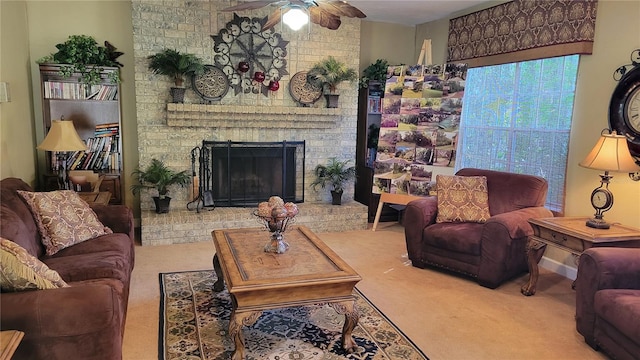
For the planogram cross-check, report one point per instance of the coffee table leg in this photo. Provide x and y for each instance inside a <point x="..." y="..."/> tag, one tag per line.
<point x="219" y="284"/>
<point x="238" y="319"/>
<point x="351" y="317"/>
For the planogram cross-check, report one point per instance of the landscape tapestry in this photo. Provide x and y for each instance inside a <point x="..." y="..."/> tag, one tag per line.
<point x="421" y="112"/>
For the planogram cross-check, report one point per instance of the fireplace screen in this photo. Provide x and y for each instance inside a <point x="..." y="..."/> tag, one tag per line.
<point x="242" y="174"/>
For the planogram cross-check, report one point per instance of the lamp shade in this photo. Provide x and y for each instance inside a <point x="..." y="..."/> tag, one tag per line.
<point x="62" y="137"/>
<point x="295" y="18"/>
<point x="611" y="153"/>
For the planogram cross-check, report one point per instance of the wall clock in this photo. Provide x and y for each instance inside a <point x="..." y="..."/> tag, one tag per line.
<point x="624" y="108"/>
<point x="243" y="40"/>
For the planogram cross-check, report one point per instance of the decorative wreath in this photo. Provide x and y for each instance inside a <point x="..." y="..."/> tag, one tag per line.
<point x="242" y="40"/>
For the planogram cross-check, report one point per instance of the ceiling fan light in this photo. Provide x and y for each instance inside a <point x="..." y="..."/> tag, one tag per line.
<point x="295" y="18"/>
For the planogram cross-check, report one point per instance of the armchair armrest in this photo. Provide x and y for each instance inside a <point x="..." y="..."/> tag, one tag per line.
<point x="603" y="268"/>
<point x="118" y="218"/>
<point x="417" y="215"/>
<point x="503" y="244"/>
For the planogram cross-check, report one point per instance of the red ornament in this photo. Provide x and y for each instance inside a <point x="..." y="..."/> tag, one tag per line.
<point x="274" y="85"/>
<point x="258" y="76"/>
<point x="243" y="66"/>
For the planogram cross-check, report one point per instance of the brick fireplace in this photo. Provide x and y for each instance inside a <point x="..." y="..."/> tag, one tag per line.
<point x="169" y="131"/>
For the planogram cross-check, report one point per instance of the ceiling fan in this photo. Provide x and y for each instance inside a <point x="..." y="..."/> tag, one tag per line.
<point x="325" y="13"/>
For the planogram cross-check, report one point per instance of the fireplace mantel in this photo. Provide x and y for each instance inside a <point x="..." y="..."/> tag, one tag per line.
<point x="251" y="116"/>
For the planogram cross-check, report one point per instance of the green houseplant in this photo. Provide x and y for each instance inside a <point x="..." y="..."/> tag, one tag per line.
<point x="176" y="65"/>
<point x="82" y="54"/>
<point x="328" y="74"/>
<point x="159" y="177"/>
<point x="334" y="174"/>
<point x="374" y="72"/>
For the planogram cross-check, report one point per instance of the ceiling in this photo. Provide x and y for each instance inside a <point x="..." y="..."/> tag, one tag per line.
<point x="411" y="12"/>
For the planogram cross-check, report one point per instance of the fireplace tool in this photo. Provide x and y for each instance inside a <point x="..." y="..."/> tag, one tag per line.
<point x="201" y="198"/>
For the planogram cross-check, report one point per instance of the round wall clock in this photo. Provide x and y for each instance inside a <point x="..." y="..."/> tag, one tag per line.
<point x="624" y="109"/>
<point x="243" y="40"/>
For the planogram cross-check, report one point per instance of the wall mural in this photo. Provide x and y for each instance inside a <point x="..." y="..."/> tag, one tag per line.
<point x="421" y="112"/>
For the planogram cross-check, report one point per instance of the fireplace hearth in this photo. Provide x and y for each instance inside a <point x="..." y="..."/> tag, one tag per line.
<point x="242" y="174"/>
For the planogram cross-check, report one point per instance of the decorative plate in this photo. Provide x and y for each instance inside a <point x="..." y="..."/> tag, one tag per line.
<point x="303" y="92"/>
<point x="213" y="84"/>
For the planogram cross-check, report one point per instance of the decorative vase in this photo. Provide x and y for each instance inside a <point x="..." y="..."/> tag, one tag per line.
<point x="332" y="100"/>
<point x="162" y="204"/>
<point x="336" y="197"/>
<point x="275" y="215"/>
<point x="177" y="94"/>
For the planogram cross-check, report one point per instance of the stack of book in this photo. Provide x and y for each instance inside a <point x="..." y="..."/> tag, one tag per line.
<point x="79" y="91"/>
<point x="103" y="152"/>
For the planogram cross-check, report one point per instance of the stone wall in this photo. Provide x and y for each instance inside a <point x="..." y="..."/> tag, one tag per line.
<point x="187" y="26"/>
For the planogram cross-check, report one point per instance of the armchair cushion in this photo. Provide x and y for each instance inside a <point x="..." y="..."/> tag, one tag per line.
<point x="19" y="270"/>
<point x="462" y="199"/>
<point x="63" y="218"/>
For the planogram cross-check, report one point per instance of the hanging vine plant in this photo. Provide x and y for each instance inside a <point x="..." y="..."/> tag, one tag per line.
<point x="81" y="54"/>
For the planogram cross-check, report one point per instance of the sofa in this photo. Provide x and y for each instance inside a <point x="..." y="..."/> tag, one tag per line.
<point x="86" y="318"/>
<point x="491" y="250"/>
<point x="608" y="300"/>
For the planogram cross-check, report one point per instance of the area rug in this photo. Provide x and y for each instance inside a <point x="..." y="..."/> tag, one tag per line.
<point x="194" y="322"/>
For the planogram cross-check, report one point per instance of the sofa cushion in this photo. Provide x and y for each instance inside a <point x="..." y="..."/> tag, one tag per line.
<point x="621" y="309"/>
<point x="107" y="256"/>
<point x="63" y="218"/>
<point x="21" y="271"/>
<point x="463" y="238"/>
<point x="462" y="199"/>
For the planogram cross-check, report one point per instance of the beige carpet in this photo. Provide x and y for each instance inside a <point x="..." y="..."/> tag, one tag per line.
<point x="447" y="316"/>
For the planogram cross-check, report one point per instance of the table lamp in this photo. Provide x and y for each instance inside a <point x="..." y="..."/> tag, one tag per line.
<point x="611" y="153"/>
<point x="61" y="138"/>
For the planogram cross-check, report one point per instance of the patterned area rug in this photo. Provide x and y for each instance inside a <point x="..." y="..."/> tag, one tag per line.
<point x="194" y="323"/>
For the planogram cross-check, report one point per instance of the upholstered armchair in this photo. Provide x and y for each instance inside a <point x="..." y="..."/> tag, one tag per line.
<point x="608" y="300"/>
<point x="492" y="250"/>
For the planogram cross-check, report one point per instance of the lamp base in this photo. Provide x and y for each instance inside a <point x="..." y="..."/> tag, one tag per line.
<point x="598" y="224"/>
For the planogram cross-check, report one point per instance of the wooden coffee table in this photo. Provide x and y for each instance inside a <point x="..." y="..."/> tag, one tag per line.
<point x="308" y="273"/>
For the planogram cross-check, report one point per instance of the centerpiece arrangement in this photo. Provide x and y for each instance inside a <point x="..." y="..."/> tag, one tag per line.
<point x="276" y="215"/>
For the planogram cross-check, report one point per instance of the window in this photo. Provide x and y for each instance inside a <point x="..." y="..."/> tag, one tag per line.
<point x="517" y="117"/>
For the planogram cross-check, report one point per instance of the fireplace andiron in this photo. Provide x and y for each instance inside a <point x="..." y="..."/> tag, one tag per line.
<point x="275" y="215"/>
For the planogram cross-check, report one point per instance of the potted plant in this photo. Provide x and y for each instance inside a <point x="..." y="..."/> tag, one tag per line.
<point x="334" y="174"/>
<point x="82" y="54"/>
<point x="158" y="176"/>
<point x="176" y="65"/>
<point x="374" y="72"/>
<point x="327" y="74"/>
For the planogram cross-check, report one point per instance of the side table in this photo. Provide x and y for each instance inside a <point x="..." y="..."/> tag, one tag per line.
<point x="101" y="197"/>
<point x="572" y="235"/>
<point x="9" y="341"/>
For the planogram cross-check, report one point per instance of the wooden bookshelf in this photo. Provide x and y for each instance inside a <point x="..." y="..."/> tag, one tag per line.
<point x="96" y="114"/>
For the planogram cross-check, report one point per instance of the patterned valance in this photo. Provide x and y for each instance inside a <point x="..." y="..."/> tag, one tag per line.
<point x="522" y="30"/>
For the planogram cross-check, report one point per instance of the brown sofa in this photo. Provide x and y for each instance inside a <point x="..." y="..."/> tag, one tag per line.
<point x="491" y="252"/>
<point x="85" y="320"/>
<point x="608" y="301"/>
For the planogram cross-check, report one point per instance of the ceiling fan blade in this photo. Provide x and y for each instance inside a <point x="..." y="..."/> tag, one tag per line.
<point x="250" y="5"/>
<point x="324" y="19"/>
<point x="340" y="8"/>
<point x="274" y="18"/>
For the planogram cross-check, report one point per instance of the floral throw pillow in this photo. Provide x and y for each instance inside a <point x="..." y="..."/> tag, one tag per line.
<point x="63" y="218"/>
<point x="20" y="270"/>
<point x="462" y="199"/>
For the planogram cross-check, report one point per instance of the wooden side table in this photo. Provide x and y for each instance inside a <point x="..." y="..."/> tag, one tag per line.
<point x="572" y="235"/>
<point x="102" y="197"/>
<point x="9" y="341"/>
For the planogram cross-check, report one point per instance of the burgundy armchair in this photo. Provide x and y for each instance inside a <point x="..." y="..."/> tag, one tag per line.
<point x="491" y="252"/>
<point x="608" y="300"/>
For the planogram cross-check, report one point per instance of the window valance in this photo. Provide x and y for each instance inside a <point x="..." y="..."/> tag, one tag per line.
<point x="522" y="30"/>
